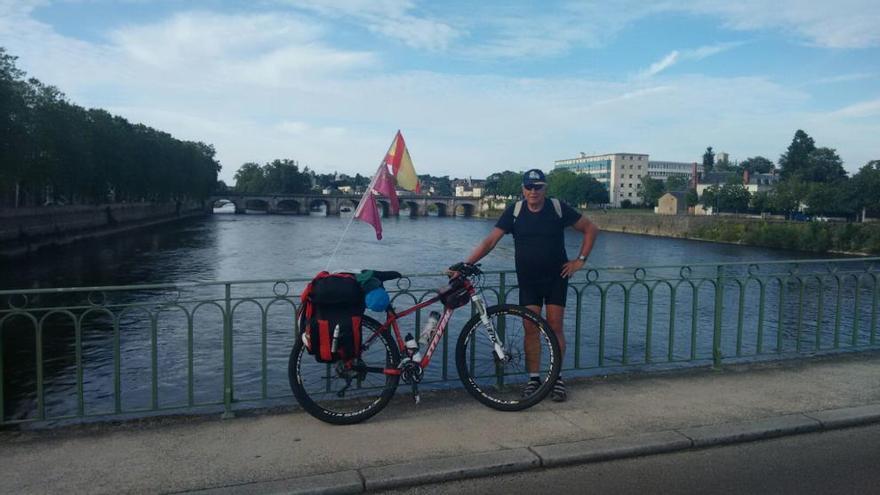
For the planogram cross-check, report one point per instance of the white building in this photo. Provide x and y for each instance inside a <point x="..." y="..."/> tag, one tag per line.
<point x="621" y="173"/>
<point x="469" y="188"/>
<point x="661" y="170"/>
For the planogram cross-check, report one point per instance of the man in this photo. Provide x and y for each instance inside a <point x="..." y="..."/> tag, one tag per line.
<point x="542" y="265"/>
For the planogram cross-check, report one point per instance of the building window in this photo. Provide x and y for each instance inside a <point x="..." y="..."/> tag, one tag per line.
<point x="630" y="176"/>
<point x="630" y="195"/>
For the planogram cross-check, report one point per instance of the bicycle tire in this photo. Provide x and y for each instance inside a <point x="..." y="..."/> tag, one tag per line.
<point x="322" y="405"/>
<point x="496" y="395"/>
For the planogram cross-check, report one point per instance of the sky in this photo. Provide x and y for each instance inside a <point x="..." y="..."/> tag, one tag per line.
<point x="475" y="87"/>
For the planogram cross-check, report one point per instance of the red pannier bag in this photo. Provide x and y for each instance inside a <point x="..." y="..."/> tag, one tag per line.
<point x="330" y="317"/>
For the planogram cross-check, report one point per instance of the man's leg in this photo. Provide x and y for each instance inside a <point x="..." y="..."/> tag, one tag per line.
<point x="532" y="343"/>
<point x="555" y="315"/>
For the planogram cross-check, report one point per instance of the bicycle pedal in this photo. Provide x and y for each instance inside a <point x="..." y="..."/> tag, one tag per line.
<point x="417" y="398"/>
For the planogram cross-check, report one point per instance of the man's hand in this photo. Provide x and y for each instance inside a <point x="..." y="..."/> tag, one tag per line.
<point x="572" y="266"/>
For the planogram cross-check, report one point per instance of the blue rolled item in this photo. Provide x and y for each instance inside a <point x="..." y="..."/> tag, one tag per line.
<point x="377" y="299"/>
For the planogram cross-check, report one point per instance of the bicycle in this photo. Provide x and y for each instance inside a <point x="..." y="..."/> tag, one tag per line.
<point x="490" y="357"/>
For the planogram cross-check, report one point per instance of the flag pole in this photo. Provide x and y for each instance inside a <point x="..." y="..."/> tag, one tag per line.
<point x="367" y="194"/>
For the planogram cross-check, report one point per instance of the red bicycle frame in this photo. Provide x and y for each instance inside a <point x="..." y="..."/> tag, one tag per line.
<point x="393" y="316"/>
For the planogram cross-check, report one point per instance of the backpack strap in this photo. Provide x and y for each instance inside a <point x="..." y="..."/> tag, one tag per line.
<point x="557" y="206"/>
<point x="517" y="207"/>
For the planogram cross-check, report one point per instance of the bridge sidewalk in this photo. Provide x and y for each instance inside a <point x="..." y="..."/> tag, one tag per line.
<point x="407" y="443"/>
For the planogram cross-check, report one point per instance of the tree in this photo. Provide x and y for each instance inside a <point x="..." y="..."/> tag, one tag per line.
<point x="866" y="188"/>
<point x="596" y="192"/>
<point x="576" y="189"/>
<point x="734" y="197"/>
<point x="757" y="165"/>
<point x="55" y="151"/>
<point x="249" y="178"/>
<point x="284" y="176"/>
<point x="651" y="191"/>
<point x="833" y="198"/>
<point x="710" y="196"/>
<point x="823" y="165"/>
<point x="723" y="165"/>
<point x="677" y="183"/>
<point x="708" y="160"/>
<point x="691" y="198"/>
<point x="442" y="185"/>
<point x="788" y="196"/>
<point x="761" y="202"/>
<point x="505" y="183"/>
<point x="794" y="160"/>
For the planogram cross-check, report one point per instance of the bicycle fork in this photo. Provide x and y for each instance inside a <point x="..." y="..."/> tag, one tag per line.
<point x="480" y="303"/>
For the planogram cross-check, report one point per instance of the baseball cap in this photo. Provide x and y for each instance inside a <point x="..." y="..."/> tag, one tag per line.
<point x="534" y="176"/>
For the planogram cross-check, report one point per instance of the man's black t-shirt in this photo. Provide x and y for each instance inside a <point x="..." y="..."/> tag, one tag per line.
<point x="538" y="239"/>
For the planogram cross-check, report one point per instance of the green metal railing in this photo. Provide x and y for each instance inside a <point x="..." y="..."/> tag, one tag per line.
<point x="152" y="349"/>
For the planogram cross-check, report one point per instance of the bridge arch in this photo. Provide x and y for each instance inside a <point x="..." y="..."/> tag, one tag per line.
<point x="289" y="206"/>
<point x="464" y="210"/>
<point x="257" y="205"/>
<point x="441" y="209"/>
<point x="222" y="204"/>
<point x="384" y="207"/>
<point x="347" y="206"/>
<point x="413" y="208"/>
<point x="316" y="205"/>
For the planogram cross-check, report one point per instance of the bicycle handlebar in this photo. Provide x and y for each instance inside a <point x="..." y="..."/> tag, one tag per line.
<point x="466" y="269"/>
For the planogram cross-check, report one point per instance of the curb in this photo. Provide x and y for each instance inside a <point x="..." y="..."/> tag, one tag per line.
<point x="560" y="454"/>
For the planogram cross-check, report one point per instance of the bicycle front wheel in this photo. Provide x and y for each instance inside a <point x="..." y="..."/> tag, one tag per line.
<point x="346" y="393"/>
<point x="530" y="348"/>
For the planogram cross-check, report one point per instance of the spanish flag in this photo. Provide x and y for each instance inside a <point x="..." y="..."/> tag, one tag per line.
<point x="401" y="165"/>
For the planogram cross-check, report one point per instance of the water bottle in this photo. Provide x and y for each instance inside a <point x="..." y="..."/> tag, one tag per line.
<point x="430" y="327"/>
<point x="412" y="347"/>
<point x="335" y="343"/>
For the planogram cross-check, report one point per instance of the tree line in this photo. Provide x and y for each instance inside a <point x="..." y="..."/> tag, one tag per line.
<point x="53" y="151"/>
<point x="575" y="189"/>
<point x="811" y="181"/>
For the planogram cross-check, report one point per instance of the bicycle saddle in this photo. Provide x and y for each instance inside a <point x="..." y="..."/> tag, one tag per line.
<point x="385" y="276"/>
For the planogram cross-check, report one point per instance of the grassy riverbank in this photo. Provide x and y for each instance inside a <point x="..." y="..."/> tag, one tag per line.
<point x="817" y="237"/>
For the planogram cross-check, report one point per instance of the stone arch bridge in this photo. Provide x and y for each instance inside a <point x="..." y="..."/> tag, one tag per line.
<point x="305" y="204"/>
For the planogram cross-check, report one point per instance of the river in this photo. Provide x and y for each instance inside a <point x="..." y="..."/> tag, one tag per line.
<point x="225" y="247"/>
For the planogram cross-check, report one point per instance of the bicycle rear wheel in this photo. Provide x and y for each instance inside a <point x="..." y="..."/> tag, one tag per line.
<point x="500" y="384"/>
<point x="341" y="393"/>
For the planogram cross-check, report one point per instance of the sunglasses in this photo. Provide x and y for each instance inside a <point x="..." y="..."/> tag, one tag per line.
<point x="534" y="187"/>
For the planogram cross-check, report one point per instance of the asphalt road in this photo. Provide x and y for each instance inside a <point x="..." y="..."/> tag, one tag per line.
<point x="840" y="461"/>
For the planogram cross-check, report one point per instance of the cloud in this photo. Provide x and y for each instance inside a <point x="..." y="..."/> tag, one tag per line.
<point x="670" y="59"/>
<point x="868" y="108"/>
<point x="676" y="56"/>
<point x="272" y="85"/>
<point x="844" y="78"/>
<point x="840" y="24"/>
<point x="391" y="18"/>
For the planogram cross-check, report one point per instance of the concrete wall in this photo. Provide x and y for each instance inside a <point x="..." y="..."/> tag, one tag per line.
<point x="659" y="225"/>
<point x="24" y="230"/>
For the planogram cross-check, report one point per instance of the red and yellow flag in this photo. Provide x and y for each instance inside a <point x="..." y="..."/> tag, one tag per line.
<point x="401" y="165"/>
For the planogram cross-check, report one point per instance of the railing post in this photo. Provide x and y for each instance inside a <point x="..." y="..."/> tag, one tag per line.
<point x="719" y="307"/>
<point x="227" y="356"/>
<point x="2" y="378"/>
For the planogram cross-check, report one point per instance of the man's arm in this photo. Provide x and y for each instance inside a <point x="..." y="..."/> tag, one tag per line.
<point x="486" y="245"/>
<point x="590" y="232"/>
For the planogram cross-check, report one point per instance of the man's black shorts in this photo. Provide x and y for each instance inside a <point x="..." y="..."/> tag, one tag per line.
<point x="553" y="291"/>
